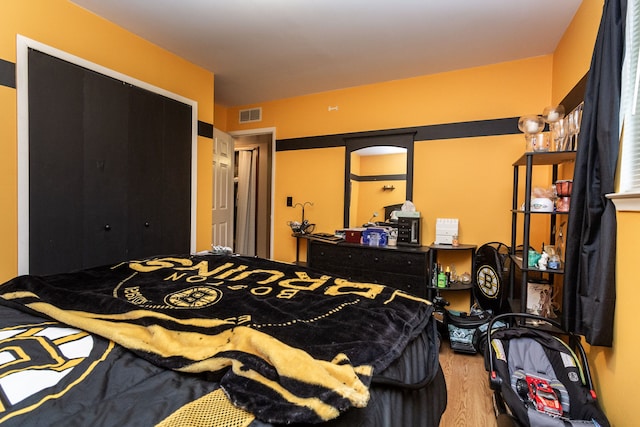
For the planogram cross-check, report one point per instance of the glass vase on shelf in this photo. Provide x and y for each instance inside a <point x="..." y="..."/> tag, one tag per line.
<point x="540" y="142"/>
<point x="574" y="123"/>
<point x="559" y="135"/>
<point x="531" y="126"/>
<point x="555" y="117"/>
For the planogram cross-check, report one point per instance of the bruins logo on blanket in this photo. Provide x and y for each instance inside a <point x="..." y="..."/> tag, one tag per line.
<point x="42" y="361"/>
<point x="200" y="296"/>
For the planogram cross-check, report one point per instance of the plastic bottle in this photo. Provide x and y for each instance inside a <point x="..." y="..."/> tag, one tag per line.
<point x="442" y="279"/>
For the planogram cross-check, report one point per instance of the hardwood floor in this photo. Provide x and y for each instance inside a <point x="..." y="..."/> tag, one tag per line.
<point x="468" y="393"/>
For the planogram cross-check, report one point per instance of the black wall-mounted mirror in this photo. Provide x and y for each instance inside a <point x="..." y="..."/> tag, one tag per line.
<point x="354" y="144"/>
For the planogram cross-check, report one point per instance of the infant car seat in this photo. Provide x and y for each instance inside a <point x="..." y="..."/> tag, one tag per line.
<point x="539" y="379"/>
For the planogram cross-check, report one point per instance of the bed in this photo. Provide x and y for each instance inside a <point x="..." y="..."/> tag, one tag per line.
<point x="215" y="340"/>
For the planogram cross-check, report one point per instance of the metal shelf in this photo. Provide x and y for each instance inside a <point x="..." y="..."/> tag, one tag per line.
<point x="528" y="160"/>
<point x="546" y="158"/>
<point x="517" y="260"/>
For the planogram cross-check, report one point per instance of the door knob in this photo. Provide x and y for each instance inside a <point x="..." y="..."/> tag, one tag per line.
<point x="146" y="224"/>
<point x="107" y="227"/>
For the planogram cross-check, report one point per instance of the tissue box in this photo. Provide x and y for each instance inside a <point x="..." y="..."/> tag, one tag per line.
<point x="407" y="214"/>
<point x="446" y="228"/>
<point x="373" y="236"/>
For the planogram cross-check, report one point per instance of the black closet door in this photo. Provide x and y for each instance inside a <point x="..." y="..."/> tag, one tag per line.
<point x="105" y="189"/>
<point x="175" y="204"/>
<point x="145" y="184"/>
<point x="56" y="151"/>
<point x="159" y="175"/>
<point x="110" y="169"/>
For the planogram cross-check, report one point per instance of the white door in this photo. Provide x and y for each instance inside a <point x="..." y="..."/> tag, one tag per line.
<point x="222" y="218"/>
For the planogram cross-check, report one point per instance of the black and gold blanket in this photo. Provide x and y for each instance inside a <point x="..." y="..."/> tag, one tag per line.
<point x="289" y="344"/>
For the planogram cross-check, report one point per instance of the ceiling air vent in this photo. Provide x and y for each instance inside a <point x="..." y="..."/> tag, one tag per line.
<point x="251" y="115"/>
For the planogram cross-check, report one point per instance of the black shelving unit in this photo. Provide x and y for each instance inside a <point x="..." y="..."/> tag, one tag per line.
<point x="520" y="259"/>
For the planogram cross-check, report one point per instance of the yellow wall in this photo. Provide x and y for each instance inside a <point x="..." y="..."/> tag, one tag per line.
<point x="467" y="178"/>
<point x="372" y="199"/>
<point x="8" y="185"/>
<point x="317" y="178"/>
<point x="220" y="113"/>
<point x="616" y="369"/>
<point x="489" y="92"/>
<point x="572" y="57"/>
<point x="64" y="26"/>
<point x="387" y="164"/>
<point x="370" y="196"/>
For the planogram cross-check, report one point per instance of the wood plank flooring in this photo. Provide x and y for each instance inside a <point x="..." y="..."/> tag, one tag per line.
<point x="468" y="393"/>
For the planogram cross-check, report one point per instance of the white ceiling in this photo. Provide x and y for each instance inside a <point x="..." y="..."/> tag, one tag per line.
<point x="261" y="50"/>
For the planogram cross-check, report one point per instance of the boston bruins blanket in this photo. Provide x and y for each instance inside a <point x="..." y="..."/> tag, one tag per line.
<point x="286" y="344"/>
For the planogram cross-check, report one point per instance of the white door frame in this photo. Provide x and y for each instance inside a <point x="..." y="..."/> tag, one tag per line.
<point x="262" y="131"/>
<point x="22" y="76"/>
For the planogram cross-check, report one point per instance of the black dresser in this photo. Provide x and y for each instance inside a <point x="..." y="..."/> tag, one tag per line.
<point x="406" y="268"/>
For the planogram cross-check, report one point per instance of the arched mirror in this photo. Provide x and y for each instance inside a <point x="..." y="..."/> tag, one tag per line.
<point x="378" y="176"/>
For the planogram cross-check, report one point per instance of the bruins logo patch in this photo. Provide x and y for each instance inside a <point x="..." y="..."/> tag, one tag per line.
<point x="195" y="297"/>
<point x="488" y="282"/>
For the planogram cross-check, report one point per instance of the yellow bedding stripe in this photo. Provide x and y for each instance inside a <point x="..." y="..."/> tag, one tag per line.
<point x="202" y="349"/>
<point x="324" y="411"/>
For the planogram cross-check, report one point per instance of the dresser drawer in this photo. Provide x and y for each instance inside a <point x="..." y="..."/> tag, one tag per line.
<point x="403" y="268"/>
<point x="408" y="263"/>
<point x="414" y="285"/>
<point x="325" y="255"/>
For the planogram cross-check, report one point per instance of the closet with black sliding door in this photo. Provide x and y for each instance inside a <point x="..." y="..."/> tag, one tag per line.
<point x="109" y="169"/>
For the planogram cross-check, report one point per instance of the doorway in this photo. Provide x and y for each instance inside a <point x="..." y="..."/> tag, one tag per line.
<point x="261" y="143"/>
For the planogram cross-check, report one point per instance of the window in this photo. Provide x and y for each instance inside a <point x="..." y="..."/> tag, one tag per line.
<point x="628" y="196"/>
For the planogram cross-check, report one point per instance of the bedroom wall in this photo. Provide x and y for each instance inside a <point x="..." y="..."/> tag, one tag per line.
<point x="467" y="178"/>
<point x="62" y="25"/>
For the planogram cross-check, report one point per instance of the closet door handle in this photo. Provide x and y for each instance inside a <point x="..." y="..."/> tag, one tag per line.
<point x="107" y="227"/>
<point x="146" y="224"/>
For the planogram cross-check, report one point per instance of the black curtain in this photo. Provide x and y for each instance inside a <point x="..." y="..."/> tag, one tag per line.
<point x="590" y="281"/>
